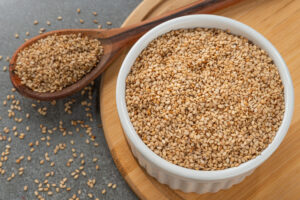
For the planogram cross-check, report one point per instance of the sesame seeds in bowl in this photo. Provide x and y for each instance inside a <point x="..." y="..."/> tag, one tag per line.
<point x="201" y="105"/>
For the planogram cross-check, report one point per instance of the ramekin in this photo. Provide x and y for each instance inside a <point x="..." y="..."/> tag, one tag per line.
<point x="181" y="178"/>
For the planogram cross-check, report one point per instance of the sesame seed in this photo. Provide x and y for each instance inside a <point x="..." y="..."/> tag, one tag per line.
<point x="35" y="22"/>
<point x="78" y="10"/>
<point x="42" y="30"/>
<point x="67" y="71"/>
<point x="95" y="13"/>
<point x="203" y="86"/>
<point x="59" y="18"/>
<point x="109" y="23"/>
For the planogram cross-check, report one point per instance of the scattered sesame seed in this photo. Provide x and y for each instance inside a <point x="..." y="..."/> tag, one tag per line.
<point x="17" y="35"/>
<point x="59" y="18"/>
<point x="109" y="23"/>
<point x="35" y="22"/>
<point x="78" y="10"/>
<point x="95" y="21"/>
<point x="95" y="13"/>
<point x="27" y="33"/>
<point x="42" y="30"/>
<point x="81" y="21"/>
<point x="25" y="188"/>
<point x="48" y="23"/>
<point x="53" y="103"/>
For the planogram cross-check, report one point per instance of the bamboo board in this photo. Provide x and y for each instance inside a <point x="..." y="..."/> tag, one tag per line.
<point x="279" y="177"/>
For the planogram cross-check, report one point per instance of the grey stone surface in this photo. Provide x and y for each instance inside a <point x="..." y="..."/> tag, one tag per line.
<point x="17" y="16"/>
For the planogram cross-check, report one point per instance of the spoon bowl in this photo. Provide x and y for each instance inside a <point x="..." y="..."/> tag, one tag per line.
<point x="93" y="74"/>
<point x="112" y="40"/>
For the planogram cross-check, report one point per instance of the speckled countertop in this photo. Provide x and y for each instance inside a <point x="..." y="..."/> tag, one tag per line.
<point x="17" y="17"/>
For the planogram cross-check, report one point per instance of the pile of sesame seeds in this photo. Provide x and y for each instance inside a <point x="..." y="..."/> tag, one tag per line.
<point x="57" y="61"/>
<point x="205" y="99"/>
<point x="82" y="64"/>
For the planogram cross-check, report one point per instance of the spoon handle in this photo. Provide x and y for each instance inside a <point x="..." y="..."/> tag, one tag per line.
<point x="127" y="35"/>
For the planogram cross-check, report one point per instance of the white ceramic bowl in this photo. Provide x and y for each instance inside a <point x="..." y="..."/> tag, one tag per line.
<point x="189" y="180"/>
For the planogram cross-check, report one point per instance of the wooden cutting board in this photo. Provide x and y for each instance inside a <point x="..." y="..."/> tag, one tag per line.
<point x="279" y="177"/>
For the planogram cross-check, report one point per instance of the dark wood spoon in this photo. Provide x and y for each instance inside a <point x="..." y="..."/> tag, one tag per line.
<point x="113" y="40"/>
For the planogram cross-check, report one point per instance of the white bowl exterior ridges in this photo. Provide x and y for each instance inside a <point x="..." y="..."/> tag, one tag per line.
<point x="184" y="179"/>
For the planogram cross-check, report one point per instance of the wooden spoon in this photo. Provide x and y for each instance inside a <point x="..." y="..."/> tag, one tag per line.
<point x="113" y="40"/>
